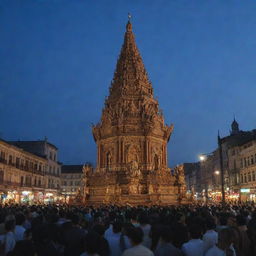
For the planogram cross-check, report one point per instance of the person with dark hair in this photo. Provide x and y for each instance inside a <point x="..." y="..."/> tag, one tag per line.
<point x="224" y="246"/>
<point x="114" y="239"/>
<point x="223" y="222"/>
<point x="23" y="248"/>
<point x="244" y="241"/>
<point x="19" y="229"/>
<point x="195" y="246"/>
<point x="135" y="236"/>
<point x="91" y="244"/>
<point x="210" y="237"/>
<point x="103" y="247"/>
<point x="9" y="239"/>
<point x="146" y="228"/>
<point x="165" y="246"/>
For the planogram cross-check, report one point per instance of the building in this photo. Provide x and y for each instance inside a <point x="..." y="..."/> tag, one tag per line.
<point x="192" y="179"/>
<point x="243" y="169"/>
<point x="22" y="175"/>
<point x="71" y="180"/>
<point x="132" y="140"/>
<point x="239" y="156"/>
<point x="47" y="150"/>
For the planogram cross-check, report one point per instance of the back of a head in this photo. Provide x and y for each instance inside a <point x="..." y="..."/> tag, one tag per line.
<point x="20" y="219"/>
<point x="75" y="219"/>
<point x="166" y="234"/>
<point x="195" y="231"/>
<point x="135" y="235"/>
<point x="99" y="229"/>
<point x="225" y="238"/>
<point x="24" y="248"/>
<point x="223" y="219"/>
<point x="9" y="225"/>
<point x="117" y="226"/>
<point x="210" y="223"/>
<point x="241" y="220"/>
<point x="91" y="242"/>
<point x="143" y="219"/>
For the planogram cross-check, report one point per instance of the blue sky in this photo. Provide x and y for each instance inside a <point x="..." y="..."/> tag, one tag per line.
<point x="58" y="58"/>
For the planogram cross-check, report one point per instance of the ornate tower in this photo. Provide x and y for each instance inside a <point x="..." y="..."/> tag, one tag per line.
<point x="131" y="138"/>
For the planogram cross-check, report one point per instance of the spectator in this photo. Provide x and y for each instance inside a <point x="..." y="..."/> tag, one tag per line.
<point x="136" y="238"/>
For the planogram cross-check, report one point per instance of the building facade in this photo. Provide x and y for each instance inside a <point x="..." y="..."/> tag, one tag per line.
<point x="23" y="175"/>
<point x="192" y="179"/>
<point x="47" y="150"/>
<point x="132" y="140"/>
<point x="71" y="181"/>
<point x="239" y="156"/>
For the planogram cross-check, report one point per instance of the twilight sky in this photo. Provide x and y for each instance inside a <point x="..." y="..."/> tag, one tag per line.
<point x="57" y="58"/>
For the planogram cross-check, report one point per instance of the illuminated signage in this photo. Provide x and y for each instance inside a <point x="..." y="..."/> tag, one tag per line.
<point x="245" y="190"/>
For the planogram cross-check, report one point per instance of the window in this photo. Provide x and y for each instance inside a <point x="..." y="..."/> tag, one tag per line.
<point x="245" y="164"/>
<point x="71" y="183"/>
<point x="50" y="169"/>
<point x="253" y="176"/>
<point x="249" y="177"/>
<point x="10" y="159"/>
<point x="51" y="155"/>
<point x="245" y="178"/>
<point x="54" y="157"/>
<point x="234" y="163"/>
<point x="241" y="163"/>
<point x="252" y="160"/>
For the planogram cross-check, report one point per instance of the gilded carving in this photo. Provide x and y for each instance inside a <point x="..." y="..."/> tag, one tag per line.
<point x="131" y="139"/>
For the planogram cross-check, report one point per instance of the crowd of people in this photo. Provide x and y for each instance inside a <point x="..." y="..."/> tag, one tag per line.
<point x="192" y="230"/>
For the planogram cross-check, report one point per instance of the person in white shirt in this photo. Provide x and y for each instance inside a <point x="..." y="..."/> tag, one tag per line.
<point x="114" y="239"/>
<point x="19" y="229"/>
<point x="9" y="239"/>
<point x="210" y="237"/>
<point x="136" y="237"/>
<point x="195" y="246"/>
<point x="224" y="246"/>
<point x="146" y="228"/>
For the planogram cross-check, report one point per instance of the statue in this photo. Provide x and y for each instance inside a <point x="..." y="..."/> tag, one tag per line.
<point x="134" y="167"/>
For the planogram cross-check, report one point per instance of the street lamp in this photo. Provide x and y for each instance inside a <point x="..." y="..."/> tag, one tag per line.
<point x="202" y="157"/>
<point x="221" y="169"/>
<point x="217" y="172"/>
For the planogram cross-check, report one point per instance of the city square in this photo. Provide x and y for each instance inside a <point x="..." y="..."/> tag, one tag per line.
<point x="92" y="167"/>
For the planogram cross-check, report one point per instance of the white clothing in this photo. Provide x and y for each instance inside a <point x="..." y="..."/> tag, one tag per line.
<point x="9" y="242"/>
<point x="216" y="251"/>
<point x="109" y="231"/>
<point x="146" y="239"/>
<point x="194" y="247"/>
<point x="19" y="232"/>
<point x="210" y="238"/>
<point x="138" y="250"/>
<point x="114" y="244"/>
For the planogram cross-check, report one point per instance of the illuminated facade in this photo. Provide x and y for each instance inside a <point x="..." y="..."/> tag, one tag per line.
<point x="23" y="176"/>
<point x="132" y="140"/>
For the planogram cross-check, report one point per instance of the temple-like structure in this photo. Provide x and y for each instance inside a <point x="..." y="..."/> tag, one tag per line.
<point x="132" y="141"/>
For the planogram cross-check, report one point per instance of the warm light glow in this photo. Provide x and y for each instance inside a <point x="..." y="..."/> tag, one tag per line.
<point x="202" y="157"/>
<point x="217" y="172"/>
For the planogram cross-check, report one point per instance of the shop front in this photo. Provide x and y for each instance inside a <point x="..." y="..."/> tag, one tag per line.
<point x="26" y="197"/>
<point x="248" y="194"/>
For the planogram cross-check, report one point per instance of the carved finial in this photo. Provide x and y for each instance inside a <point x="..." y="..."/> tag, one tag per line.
<point x="129" y="17"/>
<point x="129" y="25"/>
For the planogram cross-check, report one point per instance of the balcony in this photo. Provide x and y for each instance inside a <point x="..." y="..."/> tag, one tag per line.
<point x="2" y="160"/>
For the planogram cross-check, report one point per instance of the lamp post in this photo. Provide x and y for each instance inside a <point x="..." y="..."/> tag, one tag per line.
<point x="221" y="170"/>
<point x="203" y="158"/>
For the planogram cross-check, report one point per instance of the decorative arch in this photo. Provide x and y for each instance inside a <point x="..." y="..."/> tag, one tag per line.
<point x="133" y="153"/>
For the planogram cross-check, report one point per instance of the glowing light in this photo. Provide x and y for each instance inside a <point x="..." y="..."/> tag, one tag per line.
<point x="202" y="157"/>
<point x="217" y="172"/>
